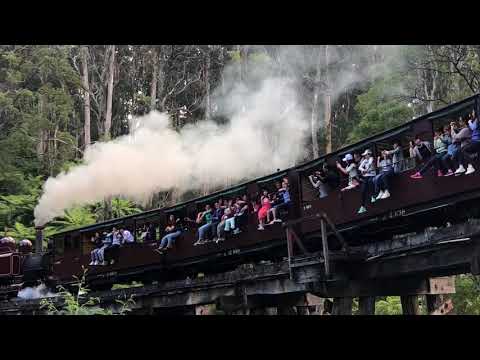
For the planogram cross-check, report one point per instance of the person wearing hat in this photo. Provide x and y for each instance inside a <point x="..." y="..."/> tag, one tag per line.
<point x="367" y="170"/>
<point x="350" y="170"/>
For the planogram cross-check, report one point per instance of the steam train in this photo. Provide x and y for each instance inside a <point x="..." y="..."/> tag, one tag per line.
<point x="413" y="205"/>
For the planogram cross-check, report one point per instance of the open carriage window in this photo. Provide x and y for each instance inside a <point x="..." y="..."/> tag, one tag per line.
<point x="228" y="209"/>
<point x="147" y="228"/>
<point x="273" y="202"/>
<point x="398" y="150"/>
<point x="444" y="118"/>
<point x="179" y="213"/>
<point x="319" y="179"/>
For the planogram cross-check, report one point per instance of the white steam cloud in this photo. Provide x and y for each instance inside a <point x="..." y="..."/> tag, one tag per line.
<point x="269" y="119"/>
<point x="37" y="292"/>
<point x="266" y="131"/>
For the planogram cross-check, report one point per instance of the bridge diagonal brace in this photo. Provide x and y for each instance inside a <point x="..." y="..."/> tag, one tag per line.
<point x="335" y="231"/>
<point x="298" y="241"/>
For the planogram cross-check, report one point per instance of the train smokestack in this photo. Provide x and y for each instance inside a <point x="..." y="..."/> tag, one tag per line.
<point x="39" y="239"/>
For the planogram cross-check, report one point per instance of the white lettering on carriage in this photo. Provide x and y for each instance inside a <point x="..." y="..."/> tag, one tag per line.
<point x="397" y="213"/>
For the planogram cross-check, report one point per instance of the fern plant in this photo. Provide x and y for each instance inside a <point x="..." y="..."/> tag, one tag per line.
<point x="78" y="303"/>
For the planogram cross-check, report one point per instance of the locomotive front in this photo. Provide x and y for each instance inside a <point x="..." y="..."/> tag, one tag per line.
<point x="19" y="266"/>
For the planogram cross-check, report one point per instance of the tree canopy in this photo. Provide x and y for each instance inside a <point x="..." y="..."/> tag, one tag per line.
<point x="57" y="100"/>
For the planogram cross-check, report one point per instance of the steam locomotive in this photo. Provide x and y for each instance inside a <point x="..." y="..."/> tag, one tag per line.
<point x="413" y="205"/>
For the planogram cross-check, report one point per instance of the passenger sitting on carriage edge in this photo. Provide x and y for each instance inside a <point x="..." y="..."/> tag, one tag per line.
<point x="107" y="243"/>
<point x="264" y="212"/>
<point x="277" y="198"/>
<point x="241" y="213"/>
<point x="440" y="143"/>
<point x="447" y="158"/>
<point x="127" y="236"/>
<point x="204" y="218"/>
<point x="97" y="242"/>
<point x="285" y="194"/>
<point x="173" y="230"/>
<point x="381" y="182"/>
<point x="230" y="223"/>
<point x="216" y="218"/>
<point x="470" y="148"/>
<point x="461" y="135"/>
<point x="117" y="241"/>
<point x="397" y="157"/>
<point x="227" y="213"/>
<point x="367" y="169"/>
<point x="351" y="171"/>
<point x="420" y="150"/>
<point x="317" y="179"/>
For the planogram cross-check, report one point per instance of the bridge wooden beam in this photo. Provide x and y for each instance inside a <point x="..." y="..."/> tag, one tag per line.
<point x="366" y="305"/>
<point x="342" y="306"/>
<point x="410" y="305"/>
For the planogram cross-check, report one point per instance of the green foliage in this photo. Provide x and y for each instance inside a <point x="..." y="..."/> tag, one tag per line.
<point x="122" y="207"/>
<point x="119" y="208"/>
<point x="126" y="286"/>
<point x="78" y="303"/>
<point x="466" y="300"/>
<point x="379" y="110"/>
<point x="391" y="305"/>
<point x="19" y="207"/>
<point x="74" y="218"/>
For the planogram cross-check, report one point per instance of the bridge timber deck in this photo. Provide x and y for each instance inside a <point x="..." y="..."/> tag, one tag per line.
<point x="419" y="264"/>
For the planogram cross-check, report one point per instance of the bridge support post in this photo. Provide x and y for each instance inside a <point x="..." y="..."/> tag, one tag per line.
<point x="410" y="305"/>
<point x="366" y="305"/>
<point x="342" y="306"/>
<point x="433" y="302"/>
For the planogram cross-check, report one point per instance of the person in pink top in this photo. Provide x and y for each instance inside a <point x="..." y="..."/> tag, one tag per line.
<point x="263" y="213"/>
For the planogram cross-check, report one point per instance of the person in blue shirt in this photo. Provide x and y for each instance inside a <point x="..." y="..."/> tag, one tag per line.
<point x="473" y="147"/>
<point x="284" y="194"/>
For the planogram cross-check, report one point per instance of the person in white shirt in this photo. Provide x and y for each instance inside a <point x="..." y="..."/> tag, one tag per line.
<point x="127" y="236"/>
<point x="367" y="169"/>
<point x="350" y="170"/>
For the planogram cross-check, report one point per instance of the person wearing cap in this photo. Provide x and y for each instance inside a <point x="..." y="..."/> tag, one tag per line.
<point x="367" y="169"/>
<point x="350" y="170"/>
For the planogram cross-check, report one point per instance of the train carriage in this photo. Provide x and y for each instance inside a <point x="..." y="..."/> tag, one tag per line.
<point x="432" y="200"/>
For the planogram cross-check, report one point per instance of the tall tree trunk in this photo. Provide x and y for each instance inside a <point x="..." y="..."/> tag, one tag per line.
<point x="154" y="82"/>
<point x="161" y="75"/>
<point x="243" y="62"/>
<point x="315" y="105"/>
<point x="86" y="92"/>
<point x="42" y="133"/>
<point x="107" y="206"/>
<point x="108" y="115"/>
<point x="208" y="107"/>
<point x="221" y="59"/>
<point x="328" y="105"/>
